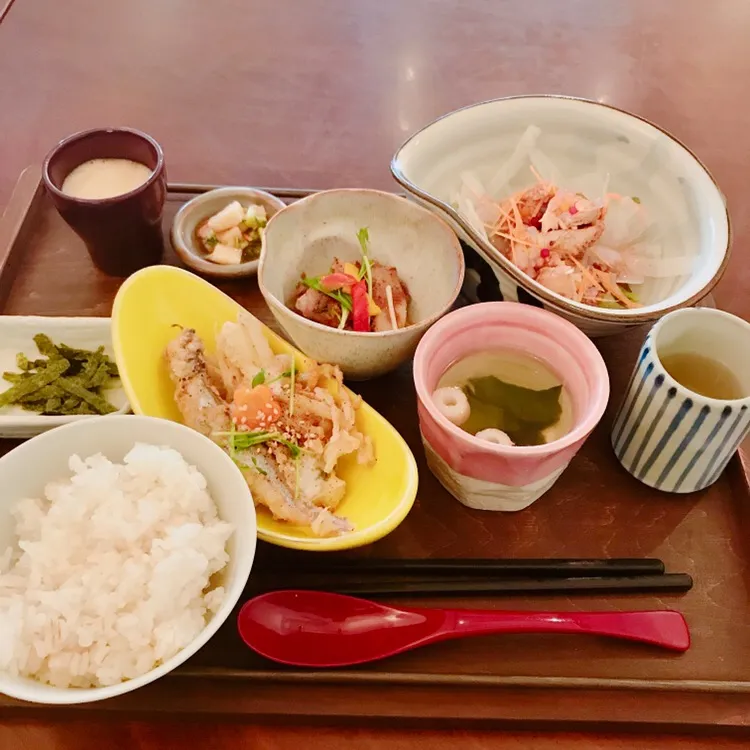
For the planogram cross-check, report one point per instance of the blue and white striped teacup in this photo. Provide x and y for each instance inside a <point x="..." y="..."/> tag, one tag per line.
<point x="667" y="436"/>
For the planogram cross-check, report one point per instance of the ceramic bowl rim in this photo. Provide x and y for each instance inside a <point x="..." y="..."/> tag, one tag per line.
<point x="156" y="172"/>
<point x="592" y="417"/>
<point x="185" y="247"/>
<point x="717" y="403"/>
<point x="521" y="279"/>
<point x="70" y="696"/>
<point x="370" y="335"/>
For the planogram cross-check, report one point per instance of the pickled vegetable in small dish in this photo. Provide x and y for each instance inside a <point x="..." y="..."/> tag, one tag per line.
<point x="64" y="381"/>
<point x="505" y="397"/>
<point x="363" y="295"/>
<point x="54" y="371"/>
<point x="234" y="234"/>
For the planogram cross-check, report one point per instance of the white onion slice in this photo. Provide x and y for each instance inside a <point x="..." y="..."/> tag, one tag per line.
<point x="499" y="183"/>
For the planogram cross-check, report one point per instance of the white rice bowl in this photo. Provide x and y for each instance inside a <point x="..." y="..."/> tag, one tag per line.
<point x="128" y="562"/>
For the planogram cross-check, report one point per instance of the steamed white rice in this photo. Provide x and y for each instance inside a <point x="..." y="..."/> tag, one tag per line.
<point x="112" y="573"/>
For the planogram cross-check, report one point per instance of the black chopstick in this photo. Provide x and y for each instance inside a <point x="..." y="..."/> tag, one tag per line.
<point x="516" y="568"/>
<point x="667" y="583"/>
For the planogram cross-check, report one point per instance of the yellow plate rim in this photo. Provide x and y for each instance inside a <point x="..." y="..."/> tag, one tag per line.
<point x="357" y="538"/>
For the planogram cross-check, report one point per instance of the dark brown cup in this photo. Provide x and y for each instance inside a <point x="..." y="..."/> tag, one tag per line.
<point x="122" y="233"/>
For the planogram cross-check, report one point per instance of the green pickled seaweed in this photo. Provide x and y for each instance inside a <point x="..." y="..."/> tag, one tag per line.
<point x="65" y="381"/>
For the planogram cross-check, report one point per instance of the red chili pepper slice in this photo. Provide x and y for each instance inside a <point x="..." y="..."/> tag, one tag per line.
<point x="335" y="281"/>
<point x="360" y="307"/>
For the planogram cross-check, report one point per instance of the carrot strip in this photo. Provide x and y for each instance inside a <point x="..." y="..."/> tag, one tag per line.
<point x="514" y="239"/>
<point x="588" y="274"/>
<point x="614" y="289"/>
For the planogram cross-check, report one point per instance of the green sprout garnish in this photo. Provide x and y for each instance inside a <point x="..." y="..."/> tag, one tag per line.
<point x="242" y="441"/>
<point x="366" y="270"/>
<point x="636" y="199"/>
<point x="262" y="378"/>
<point x="291" y="388"/>
<point x="257" y="468"/>
<point x="343" y="319"/>
<point x="344" y="299"/>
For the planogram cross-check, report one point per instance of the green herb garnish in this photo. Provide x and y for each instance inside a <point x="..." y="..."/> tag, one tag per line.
<point x="344" y="299"/>
<point x="366" y="270"/>
<point x="211" y="242"/>
<point x="256" y="467"/>
<point x="230" y="442"/>
<point x="232" y="450"/>
<point x="242" y="441"/>
<point x="261" y="377"/>
<point x="291" y="388"/>
<point x="636" y="199"/>
<point x="344" y="317"/>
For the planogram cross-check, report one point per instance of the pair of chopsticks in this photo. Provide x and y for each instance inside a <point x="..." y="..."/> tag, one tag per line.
<point x="365" y="577"/>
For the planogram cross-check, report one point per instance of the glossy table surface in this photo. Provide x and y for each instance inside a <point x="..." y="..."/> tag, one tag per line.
<point x="319" y="94"/>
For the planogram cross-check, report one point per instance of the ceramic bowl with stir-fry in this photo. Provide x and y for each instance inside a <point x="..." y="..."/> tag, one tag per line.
<point x="573" y="206"/>
<point x="356" y="277"/>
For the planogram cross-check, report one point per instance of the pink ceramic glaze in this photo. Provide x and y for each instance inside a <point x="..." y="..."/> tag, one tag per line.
<point x="508" y="325"/>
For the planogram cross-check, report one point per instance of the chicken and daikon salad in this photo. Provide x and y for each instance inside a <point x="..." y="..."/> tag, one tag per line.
<point x="594" y="246"/>
<point x="284" y="428"/>
<point x="233" y="235"/>
<point x="360" y="295"/>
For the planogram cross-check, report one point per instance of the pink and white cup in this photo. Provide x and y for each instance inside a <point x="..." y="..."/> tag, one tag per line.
<point x="484" y="475"/>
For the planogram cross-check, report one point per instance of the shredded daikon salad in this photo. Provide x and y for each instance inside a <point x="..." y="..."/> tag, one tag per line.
<point x="593" y="249"/>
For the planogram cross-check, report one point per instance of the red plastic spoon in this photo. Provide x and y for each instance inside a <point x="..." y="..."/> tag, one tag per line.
<point x="319" y="629"/>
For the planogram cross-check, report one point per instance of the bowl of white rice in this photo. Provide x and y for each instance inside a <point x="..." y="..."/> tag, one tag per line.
<point x="125" y="543"/>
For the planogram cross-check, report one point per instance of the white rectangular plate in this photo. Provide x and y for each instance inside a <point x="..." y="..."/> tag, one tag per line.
<point x="17" y="335"/>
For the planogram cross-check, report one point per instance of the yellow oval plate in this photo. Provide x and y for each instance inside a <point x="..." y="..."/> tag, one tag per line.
<point x="148" y="306"/>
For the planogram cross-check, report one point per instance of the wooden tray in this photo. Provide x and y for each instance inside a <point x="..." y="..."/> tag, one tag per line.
<point x="595" y="510"/>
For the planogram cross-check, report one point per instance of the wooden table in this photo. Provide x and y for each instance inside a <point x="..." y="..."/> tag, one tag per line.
<point x="319" y="93"/>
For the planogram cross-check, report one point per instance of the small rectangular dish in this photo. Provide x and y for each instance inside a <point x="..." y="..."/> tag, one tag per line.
<point x="17" y="335"/>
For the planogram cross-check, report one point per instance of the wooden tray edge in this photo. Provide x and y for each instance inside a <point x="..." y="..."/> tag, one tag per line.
<point x="340" y="677"/>
<point x="421" y="705"/>
<point x="570" y="690"/>
<point x="12" y="221"/>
